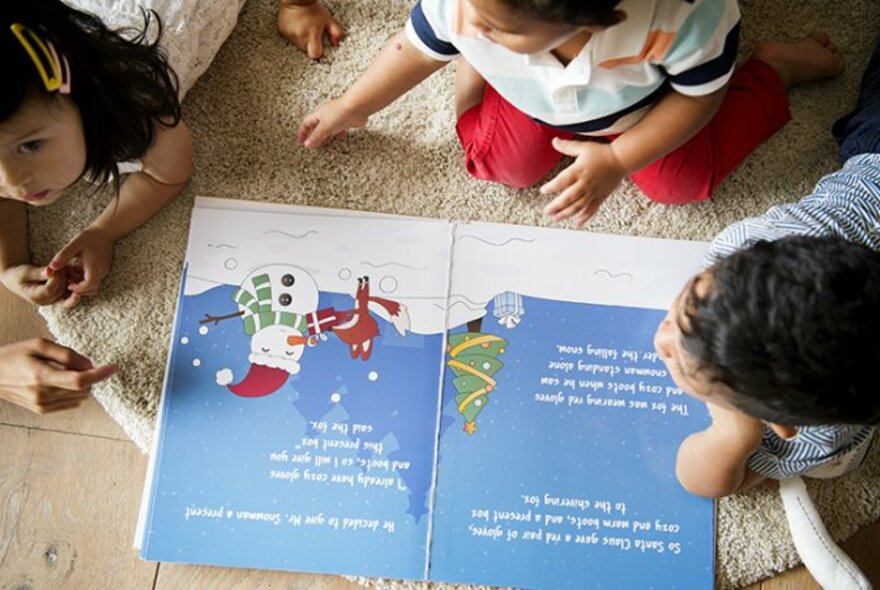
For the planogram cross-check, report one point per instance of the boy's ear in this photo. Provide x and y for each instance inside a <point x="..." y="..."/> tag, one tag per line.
<point x="783" y="431"/>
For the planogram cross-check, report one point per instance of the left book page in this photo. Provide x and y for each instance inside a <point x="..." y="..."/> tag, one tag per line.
<point x="283" y="439"/>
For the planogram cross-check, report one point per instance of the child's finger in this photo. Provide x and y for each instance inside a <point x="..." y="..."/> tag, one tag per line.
<point x="66" y="357"/>
<point x="65" y="255"/>
<point x="91" y="293"/>
<point x="562" y="200"/>
<point x="560" y="182"/>
<point x="315" y="46"/>
<point x="32" y="274"/>
<point x="305" y="128"/>
<point x="40" y="295"/>
<point x="71" y="301"/>
<point x="335" y="31"/>
<point x="89" y="283"/>
<point x="569" y="147"/>
<point x="97" y="374"/>
<point x="78" y="381"/>
<point x="587" y="213"/>
<point x="570" y="202"/>
<point x="46" y="291"/>
<point x="56" y="285"/>
<point x="317" y="135"/>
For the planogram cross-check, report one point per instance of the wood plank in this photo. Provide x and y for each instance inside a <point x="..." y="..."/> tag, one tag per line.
<point x="863" y="548"/>
<point x="174" y="576"/>
<point x="89" y="418"/>
<point x="21" y="321"/>
<point x="69" y="509"/>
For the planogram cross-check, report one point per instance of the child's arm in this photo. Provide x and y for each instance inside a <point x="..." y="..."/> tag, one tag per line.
<point x="22" y="278"/>
<point x="304" y="22"/>
<point x="599" y="168"/>
<point x="167" y="168"/>
<point x="712" y="463"/>
<point x="399" y="67"/>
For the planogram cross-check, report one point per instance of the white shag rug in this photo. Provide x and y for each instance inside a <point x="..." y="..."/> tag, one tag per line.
<point x="243" y="114"/>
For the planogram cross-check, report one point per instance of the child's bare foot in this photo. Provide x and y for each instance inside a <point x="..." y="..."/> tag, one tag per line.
<point x="812" y="58"/>
<point x="469" y="87"/>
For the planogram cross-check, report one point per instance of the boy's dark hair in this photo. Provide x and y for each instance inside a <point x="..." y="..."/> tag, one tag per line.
<point x="123" y="87"/>
<point x="792" y="327"/>
<point x="601" y="13"/>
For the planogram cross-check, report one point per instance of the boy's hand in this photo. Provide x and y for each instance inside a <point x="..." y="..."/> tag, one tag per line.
<point x="331" y="119"/>
<point x="304" y="23"/>
<point x="42" y="376"/>
<point x="36" y="284"/>
<point x="586" y="183"/>
<point x="93" y="251"/>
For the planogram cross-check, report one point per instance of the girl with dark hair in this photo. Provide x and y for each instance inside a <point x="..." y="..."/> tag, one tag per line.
<point x="79" y="100"/>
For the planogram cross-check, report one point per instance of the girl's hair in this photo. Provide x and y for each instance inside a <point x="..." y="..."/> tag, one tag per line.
<point x="122" y="86"/>
<point x="600" y="13"/>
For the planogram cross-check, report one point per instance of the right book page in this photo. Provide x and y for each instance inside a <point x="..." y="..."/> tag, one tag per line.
<point x="560" y="424"/>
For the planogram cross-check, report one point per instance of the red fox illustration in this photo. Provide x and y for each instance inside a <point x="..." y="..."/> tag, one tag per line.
<point x="360" y="330"/>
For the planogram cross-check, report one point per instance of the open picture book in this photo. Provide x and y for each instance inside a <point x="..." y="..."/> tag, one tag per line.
<point x="399" y="397"/>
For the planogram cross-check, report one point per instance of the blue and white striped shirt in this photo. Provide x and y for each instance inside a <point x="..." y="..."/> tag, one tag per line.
<point x="689" y="45"/>
<point x="847" y="204"/>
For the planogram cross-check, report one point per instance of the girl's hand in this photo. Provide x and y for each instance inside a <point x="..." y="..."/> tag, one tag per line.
<point x="586" y="183"/>
<point x="304" y="23"/>
<point x="92" y="250"/>
<point x="42" y="376"/>
<point x="330" y="119"/>
<point x="36" y="284"/>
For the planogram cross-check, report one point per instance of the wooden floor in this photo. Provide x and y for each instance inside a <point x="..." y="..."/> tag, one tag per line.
<point x="70" y="486"/>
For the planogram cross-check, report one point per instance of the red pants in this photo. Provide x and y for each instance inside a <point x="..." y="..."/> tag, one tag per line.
<point x="504" y="145"/>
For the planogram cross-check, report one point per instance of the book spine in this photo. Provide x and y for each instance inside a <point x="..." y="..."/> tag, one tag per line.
<point x="442" y="361"/>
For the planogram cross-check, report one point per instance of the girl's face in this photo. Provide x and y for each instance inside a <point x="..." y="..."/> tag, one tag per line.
<point x="42" y="150"/>
<point x="514" y="30"/>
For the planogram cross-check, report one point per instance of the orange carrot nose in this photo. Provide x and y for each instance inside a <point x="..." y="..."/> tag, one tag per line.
<point x="296" y="340"/>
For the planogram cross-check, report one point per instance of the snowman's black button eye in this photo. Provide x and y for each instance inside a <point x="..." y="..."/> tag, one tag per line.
<point x="285" y="299"/>
<point x="287" y="280"/>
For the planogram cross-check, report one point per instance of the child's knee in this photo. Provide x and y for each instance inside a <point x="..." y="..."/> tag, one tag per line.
<point x="680" y="192"/>
<point x="512" y="176"/>
<point x="503" y="145"/>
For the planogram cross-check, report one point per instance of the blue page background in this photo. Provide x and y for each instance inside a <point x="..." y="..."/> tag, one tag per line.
<point x="216" y="450"/>
<point x="526" y="452"/>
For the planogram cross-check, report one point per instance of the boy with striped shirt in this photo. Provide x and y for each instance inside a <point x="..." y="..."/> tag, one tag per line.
<point x="779" y="333"/>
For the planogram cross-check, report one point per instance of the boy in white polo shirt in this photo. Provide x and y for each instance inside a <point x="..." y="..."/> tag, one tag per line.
<point x="651" y="77"/>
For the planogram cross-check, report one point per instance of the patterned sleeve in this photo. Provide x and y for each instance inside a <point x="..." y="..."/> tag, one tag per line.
<point x="192" y="32"/>
<point x="845" y="203"/>
<point x="428" y="28"/>
<point x="702" y="55"/>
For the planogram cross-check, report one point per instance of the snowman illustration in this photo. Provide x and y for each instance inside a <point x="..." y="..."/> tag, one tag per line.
<point x="278" y="307"/>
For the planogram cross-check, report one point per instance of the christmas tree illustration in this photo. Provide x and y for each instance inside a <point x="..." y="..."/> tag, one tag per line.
<point x="473" y="359"/>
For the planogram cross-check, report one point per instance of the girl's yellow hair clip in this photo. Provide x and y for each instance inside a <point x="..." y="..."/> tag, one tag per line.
<point x="45" y="58"/>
